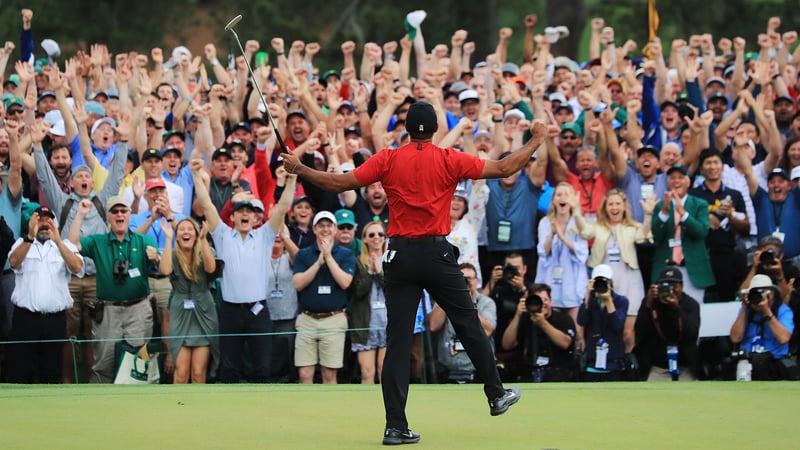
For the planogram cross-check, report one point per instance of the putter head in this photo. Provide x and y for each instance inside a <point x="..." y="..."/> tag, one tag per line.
<point x="233" y="22"/>
<point x="52" y="49"/>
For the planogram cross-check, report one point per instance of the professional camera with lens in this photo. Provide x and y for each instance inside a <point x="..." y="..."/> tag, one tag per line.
<point x="533" y="303"/>
<point x="510" y="271"/>
<point x="601" y="285"/>
<point x="665" y="290"/>
<point x="767" y="258"/>
<point x="120" y="271"/>
<point x="755" y="296"/>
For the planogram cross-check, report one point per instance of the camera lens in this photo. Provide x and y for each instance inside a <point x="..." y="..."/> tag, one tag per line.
<point x="533" y="303"/>
<point x="600" y="285"/>
<point x="755" y="296"/>
<point x="509" y="272"/>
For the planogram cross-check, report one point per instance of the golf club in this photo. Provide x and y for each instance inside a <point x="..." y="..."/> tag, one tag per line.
<point x="229" y="27"/>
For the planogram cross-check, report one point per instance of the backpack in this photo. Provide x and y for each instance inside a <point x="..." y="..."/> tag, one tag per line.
<point x="71" y="201"/>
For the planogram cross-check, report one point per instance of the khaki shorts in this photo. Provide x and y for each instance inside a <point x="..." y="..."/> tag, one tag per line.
<point x="320" y="341"/>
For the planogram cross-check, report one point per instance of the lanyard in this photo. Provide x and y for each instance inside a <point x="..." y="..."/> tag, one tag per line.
<point x="275" y="268"/>
<point x="118" y="245"/>
<point x="589" y="194"/>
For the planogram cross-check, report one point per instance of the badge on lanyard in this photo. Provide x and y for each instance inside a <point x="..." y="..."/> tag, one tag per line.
<point x="614" y="254"/>
<point x="503" y="231"/>
<point x="188" y="304"/>
<point x="276" y="294"/>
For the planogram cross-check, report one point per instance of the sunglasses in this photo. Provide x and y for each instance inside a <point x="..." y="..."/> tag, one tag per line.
<point x="14" y="111"/>
<point x="569" y="137"/>
<point x="116" y="211"/>
<point x="615" y="91"/>
<point x="373" y="234"/>
<point x="345" y="227"/>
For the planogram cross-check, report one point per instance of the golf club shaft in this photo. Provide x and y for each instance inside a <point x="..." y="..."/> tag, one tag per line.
<point x="229" y="27"/>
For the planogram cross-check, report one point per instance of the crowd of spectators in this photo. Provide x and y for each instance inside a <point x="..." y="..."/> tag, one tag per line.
<point x="667" y="181"/>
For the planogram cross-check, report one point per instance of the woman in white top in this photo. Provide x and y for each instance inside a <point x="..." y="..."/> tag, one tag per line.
<point x="563" y="252"/>
<point x="467" y="211"/>
<point x="615" y="237"/>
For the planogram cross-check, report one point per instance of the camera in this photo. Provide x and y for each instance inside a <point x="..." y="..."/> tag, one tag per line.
<point x="755" y="296"/>
<point x="120" y="271"/>
<point x="601" y="285"/>
<point x="509" y="272"/>
<point x="685" y="112"/>
<point x="533" y="303"/>
<point x="665" y="290"/>
<point x="767" y="257"/>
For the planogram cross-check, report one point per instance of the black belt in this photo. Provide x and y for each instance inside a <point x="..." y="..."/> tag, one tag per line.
<point x="244" y="305"/>
<point x="323" y="315"/>
<point x="673" y="263"/>
<point x="417" y="240"/>
<point x="157" y="276"/>
<point x="125" y="303"/>
<point x="18" y="309"/>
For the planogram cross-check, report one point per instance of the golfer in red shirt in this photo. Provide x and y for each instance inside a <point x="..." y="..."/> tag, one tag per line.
<point x="419" y="179"/>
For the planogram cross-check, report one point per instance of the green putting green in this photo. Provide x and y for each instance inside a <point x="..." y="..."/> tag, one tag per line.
<point x="685" y="415"/>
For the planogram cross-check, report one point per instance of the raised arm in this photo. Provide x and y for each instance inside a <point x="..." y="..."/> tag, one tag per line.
<point x="203" y="198"/>
<point x="517" y="160"/>
<point x="277" y="214"/>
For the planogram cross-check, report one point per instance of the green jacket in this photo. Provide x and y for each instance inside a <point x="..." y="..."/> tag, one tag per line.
<point x="693" y="239"/>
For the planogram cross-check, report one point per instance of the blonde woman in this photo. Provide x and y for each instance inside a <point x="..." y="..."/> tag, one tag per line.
<point x="368" y="311"/>
<point x="563" y="252"/>
<point x="615" y="237"/>
<point x="191" y="318"/>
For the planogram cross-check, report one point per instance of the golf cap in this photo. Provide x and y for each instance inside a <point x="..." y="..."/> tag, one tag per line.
<point x="572" y="126"/>
<point x="324" y="215"/>
<point x="151" y="153"/>
<point x="513" y="112"/>
<point x="678" y="168"/>
<point x="45" y="211"/>
<point x="762" y="281"/>
<point x="646" y="149"/>
<point x="245" y="204"/>
<point x="670" y="274"/>
<point x="421" y="119"/>
<point x="99" y="122"/>
<point x="222" y="151"/>
<point x="795" y="173"/>
<point x="345" y="217"/>
<point x="117" y="200"/>
<point x="469" y="94"/>
<point x="603" y="270"/>
<point x="153" y="183"/>
<point x="778" y="172"/>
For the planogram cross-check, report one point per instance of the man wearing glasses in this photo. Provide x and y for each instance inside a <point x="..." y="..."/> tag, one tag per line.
<point x="121" y="258"/>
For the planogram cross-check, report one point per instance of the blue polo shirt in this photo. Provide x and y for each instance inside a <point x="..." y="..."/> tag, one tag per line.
<point x="786" y="216"/>
<point x="517" y="206"/>
<point x="785" y="316"/>
<point x="631" y="184"/>
<point x="185" y="181"/>
<point x="323" y="294"/>
<point x="247" y="272"/>
<point x="155" y="230"/>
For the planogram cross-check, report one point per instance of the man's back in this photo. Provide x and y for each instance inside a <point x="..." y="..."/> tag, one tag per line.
<point x="419" y="180"/>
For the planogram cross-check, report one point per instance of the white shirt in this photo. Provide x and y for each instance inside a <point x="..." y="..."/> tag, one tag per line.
<point x="42" y="280"/>
<point x="247" y="272"/>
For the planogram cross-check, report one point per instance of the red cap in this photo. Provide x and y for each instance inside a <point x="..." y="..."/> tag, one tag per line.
<point x="155" y="183"/>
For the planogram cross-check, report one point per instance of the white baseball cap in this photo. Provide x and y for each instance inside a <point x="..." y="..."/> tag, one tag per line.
<point x="603" y="270"/>
<point x="324" y="215"/>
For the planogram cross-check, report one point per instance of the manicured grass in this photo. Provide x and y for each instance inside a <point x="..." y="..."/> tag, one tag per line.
<point x="707" y="415"/>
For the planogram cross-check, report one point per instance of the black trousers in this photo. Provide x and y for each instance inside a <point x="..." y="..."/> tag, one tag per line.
<point x="36" y="362"/>
<point x="412" y="265"/>
<point x="235" y="321"/>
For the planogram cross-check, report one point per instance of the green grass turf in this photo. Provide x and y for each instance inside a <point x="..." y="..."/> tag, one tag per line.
<point x="706" y="415"/>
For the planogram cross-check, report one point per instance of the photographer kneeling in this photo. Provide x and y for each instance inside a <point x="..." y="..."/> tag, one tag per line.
<point x="602" y="316"/>
<point x="763" y="327"/>
<point x="667" y="328"/>
<point x="543" y="336"/>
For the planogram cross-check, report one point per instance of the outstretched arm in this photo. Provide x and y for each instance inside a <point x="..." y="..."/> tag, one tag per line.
<point x="336" y="182"/>
<point x="517" y="160"/>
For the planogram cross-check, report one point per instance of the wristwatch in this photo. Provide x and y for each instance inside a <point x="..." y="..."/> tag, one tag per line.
<point x="27" y="239"/>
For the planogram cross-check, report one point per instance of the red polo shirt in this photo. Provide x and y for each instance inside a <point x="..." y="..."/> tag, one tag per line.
<point x="419" y="184"/>
<point x="591" y="192"/>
